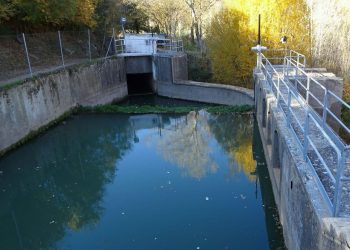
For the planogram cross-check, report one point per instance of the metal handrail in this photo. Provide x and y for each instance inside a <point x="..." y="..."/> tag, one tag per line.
<point x="161" y="45"/>
<point x="279" y="81"/>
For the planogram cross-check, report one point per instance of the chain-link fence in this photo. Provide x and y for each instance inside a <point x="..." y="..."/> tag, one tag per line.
<point x="25" y="55"/>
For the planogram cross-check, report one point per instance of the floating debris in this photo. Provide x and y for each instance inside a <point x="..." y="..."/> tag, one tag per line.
<point x="52" y="222"/>
<point x="206" y="198"/>
<point x="243" y="197"/>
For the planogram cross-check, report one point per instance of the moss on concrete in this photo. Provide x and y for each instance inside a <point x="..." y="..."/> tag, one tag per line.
<point x="145" y="109"/>
<point x="39" y="131"/>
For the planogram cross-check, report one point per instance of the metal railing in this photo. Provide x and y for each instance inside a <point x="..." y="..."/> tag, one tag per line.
<point x="148" y="45"/>
<point x="322" y="146"/>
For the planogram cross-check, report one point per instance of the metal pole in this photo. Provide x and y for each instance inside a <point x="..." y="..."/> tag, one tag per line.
<point x="89" y="41"/>
<point x="325" y="105"/>
<point x="114" y="44"/>
<point x="27" y="54"/>
<point x="306" y="133"/>
<point x="307" y="90"/>
<point x="110" y="43"/>
<point x="278" y="89"/>
<point x="259" y="34"/>
<point x="288" y="106"/>
<point x="60" y="41"/>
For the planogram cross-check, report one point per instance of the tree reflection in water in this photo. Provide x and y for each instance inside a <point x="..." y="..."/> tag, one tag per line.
<point x="185" y="143"/>
<point x="234" y="132"/>
<point x="58" y="184"/>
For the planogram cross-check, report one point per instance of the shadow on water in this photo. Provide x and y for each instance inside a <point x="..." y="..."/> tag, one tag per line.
<point x="60" y="186"/>
<point x="273" y="226"/>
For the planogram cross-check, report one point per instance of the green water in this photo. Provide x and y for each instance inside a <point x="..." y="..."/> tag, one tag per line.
<point x="152" y="182"/>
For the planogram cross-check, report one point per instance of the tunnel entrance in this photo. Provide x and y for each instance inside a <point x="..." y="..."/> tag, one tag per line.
<point x="140" y="83"/>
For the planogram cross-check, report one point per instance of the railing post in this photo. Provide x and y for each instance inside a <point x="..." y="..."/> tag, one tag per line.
<point x="325" y="106"/>
<point x="89" y="44"/>
<point x="278" y="89"/>
<point x="307" y="90"/>
<point x="306" y="134"/>
<point x="61" y="48"/>
<point x="288" y="106"/>
<point x="27" y="55"/>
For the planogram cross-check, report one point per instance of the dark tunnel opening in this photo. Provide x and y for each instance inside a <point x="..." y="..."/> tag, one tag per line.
<point x="140" y="84"/>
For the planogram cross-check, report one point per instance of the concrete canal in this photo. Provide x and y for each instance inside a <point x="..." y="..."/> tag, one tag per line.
<point x="118" y="181"/>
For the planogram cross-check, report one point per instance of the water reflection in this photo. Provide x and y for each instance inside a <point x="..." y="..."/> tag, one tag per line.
<point x="185" y="142"/>
<point x="56" y="186"/>
<point x="59" y="184"/>
<point x="234" y="133"/>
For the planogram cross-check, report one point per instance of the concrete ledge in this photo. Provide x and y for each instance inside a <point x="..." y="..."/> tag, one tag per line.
<point x="206" y="92"/>
<point x="27" y="107"/>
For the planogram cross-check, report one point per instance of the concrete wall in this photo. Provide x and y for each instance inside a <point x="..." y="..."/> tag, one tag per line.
<point x="305" y="216"/>
<point x="171" y="81"/>
<point x="138" y="64"/>
<point x="206" y="92"/>
<point x="37" y="102"/>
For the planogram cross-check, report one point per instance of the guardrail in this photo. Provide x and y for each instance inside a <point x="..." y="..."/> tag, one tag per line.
<point x="148" y="45"/>
<point x="322" y="147"/>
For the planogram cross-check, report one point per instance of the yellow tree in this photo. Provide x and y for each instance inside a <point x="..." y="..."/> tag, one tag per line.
<point x="279" y="18"/>
<point x="229" y="41"/>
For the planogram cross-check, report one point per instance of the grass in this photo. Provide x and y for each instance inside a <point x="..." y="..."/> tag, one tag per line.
<point x="146" y="109"/>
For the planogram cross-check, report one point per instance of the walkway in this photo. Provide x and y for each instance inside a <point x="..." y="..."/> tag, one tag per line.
<point x="313" y="114"/>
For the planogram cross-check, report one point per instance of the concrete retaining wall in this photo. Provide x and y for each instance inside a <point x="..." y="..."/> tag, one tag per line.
<point x="305" y="217"/>
<point x="206" y="92"/>
<point x="171" y="79"/>
<point x="34" y="104"/>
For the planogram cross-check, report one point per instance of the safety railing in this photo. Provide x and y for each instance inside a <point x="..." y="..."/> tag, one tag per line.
<point x="322" y="147"/>
<point x="119" y="46"/>
<point x="148" y="45"/>
<point x="170" y="45"/>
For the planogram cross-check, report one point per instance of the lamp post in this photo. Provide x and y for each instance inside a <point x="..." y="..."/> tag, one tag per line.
<point x="258" y="49"/>
<point x="123" y="22"/>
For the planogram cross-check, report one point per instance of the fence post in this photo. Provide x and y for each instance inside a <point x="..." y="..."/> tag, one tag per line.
<point x="61" y="48"/>
<point x="110" y="43"/>
<point x="27" y="54"/>
<point x="89" y="41"/>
